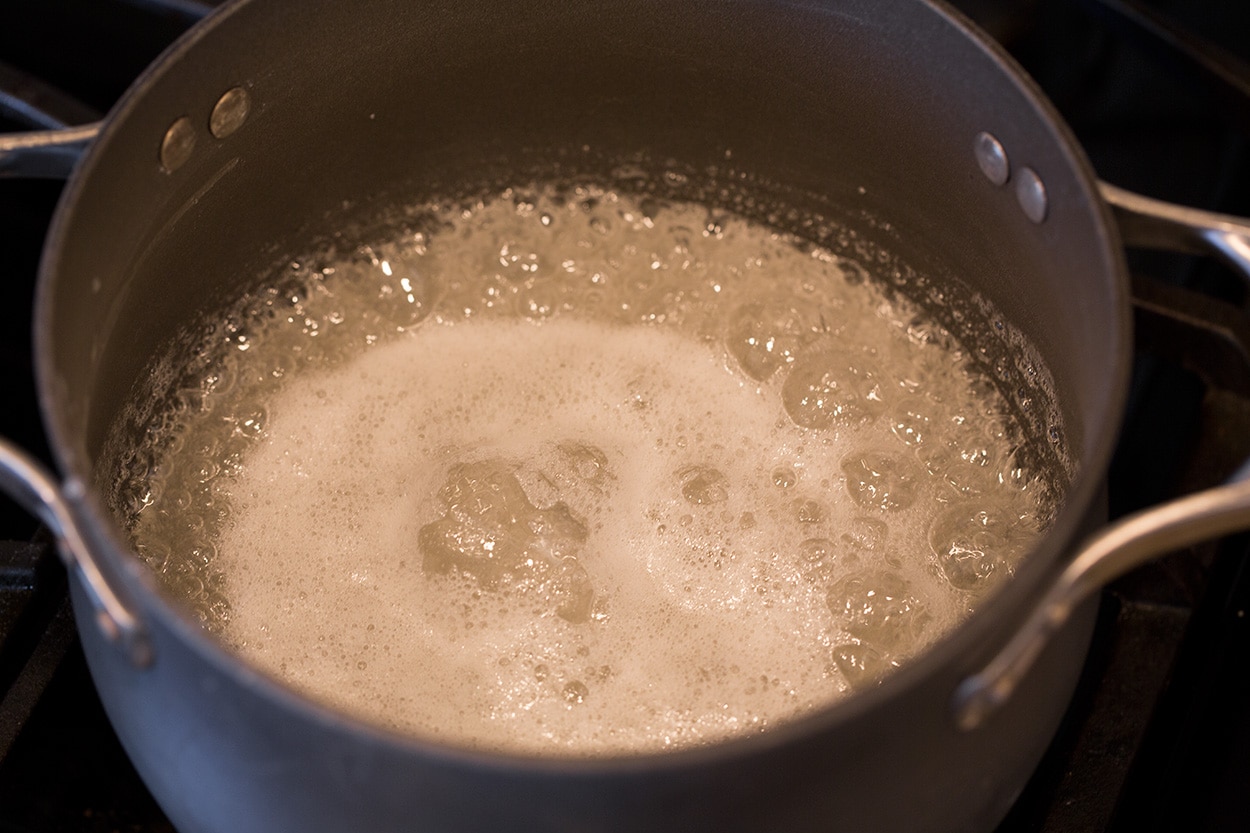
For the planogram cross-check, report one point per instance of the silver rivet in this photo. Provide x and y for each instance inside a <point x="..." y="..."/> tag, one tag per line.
<point x="229" y="112"/>
<point x="992" y="158"/>
<point x="1032" y="195"/>
<point x="178" y="144"/>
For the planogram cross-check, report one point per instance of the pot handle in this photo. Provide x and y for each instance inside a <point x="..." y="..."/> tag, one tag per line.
<point x="48" y="154"/>
<point x="33" y="487"/>
<point x="1115" y="550"/>
<point x="1148" y="223"/>
<point x="53" y="148"/>
<point x="1145" y="223"/>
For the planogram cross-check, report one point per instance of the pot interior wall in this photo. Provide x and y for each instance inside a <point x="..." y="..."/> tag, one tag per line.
<point x="863" y="109"/>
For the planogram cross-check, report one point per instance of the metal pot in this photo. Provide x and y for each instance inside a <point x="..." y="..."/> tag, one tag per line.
<point x="249" y="135"/>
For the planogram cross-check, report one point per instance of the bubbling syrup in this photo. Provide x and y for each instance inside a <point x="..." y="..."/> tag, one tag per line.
<point x="571" y="472"/>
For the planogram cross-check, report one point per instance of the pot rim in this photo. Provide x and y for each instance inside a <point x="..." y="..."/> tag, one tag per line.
<point x="963" y="648"/>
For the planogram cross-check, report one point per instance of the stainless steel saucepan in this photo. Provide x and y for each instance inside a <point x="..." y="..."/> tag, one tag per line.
<point x="248" y="137"/>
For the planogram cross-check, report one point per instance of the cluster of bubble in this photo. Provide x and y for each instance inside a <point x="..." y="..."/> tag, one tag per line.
<point x="570" y="469"/>
<point x="491" y="531"/>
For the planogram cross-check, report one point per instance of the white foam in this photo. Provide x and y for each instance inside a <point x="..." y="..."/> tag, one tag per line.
<point x="325" y="570"/>
<point x="742" y="568"/>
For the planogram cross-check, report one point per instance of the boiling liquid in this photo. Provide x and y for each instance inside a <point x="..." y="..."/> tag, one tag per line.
<point x="572" y="474"/>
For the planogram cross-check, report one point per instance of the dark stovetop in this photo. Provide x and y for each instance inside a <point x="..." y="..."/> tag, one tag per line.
<point x="1158" y="735"/>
